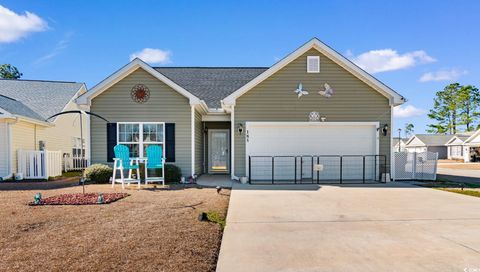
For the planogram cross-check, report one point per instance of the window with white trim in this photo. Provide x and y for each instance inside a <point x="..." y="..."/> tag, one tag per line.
<point x="78" y="147"/>
<point x="313" y="64"/>
<point x="456" y="151"/>
<point x="139" y="135"/>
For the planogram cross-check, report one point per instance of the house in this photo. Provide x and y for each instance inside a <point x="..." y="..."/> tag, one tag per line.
<point x="457" y="150"/>
<point x="471" y="148"/>
<point x="398" y="144"/>
<point x="429" y="142"/>
<point x="24" y="107"/>
<point x="213" y="119"/>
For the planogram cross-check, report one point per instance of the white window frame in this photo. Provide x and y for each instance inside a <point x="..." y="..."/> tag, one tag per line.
<point x="317" y="58"/>
<point x="140" y="138"/>
<point x="76" y="145"/>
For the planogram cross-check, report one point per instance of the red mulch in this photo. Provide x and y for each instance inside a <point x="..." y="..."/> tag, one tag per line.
<point x="79" y="199"/>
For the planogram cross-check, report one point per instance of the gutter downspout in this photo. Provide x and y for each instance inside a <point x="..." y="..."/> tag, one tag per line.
<point x="10" y="150"/>
<point x="392" y="155"/>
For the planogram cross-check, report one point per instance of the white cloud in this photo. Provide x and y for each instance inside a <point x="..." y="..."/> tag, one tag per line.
<point x="407" y="111"/>
<point x="376" y="61"/>
<point x="15" y="26"/>
<point x="152" y="55"/>
<point x="59" y="47"/>
<point x="443" y="75"/>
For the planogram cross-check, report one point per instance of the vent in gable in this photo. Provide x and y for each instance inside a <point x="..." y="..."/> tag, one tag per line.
<point x="313" y="64"/>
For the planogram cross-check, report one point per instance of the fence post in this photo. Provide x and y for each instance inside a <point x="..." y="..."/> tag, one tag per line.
<point x="341" y="169"/>
<point x="385" y="166"/>
<point x="414" y="165"/>
<point x="46" y="163"/>
<point x="295" y="178"/>
<point x="249" y="169"/>
<point x="312" y="170"/>
<point x="375" y="167"/>
<point x="363" y="169"/>
<point x="273" y="169"/>
<point x="301" y="169"/>
<point x="318" y="172"/>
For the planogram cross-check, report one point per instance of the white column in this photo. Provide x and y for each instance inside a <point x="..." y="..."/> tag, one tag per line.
<point x="88" y="145"/>
<point x="232" y="143"/>
<point x="193" y="139"/>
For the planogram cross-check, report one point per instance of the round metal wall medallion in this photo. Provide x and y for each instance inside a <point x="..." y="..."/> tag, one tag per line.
<point x="140" y="93"/>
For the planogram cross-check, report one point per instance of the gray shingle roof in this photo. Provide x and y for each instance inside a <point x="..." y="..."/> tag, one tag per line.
<point x="44" y="98"/>
<point x="395" y="140"/>
<point x="434" y="139"/>
<point x="17" y="108"/>
<point x="211" y="84"/>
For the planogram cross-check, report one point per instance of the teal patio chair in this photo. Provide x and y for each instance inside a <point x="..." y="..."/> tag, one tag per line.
<point x="122" y="161"/>
<point x="155" y="160"/>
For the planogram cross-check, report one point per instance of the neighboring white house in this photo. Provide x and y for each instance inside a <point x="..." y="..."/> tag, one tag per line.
<point x="472" y="147"/>
<point x="429" y="142"/>
<point x="457" y="150"/>
<point x="24" y="107"/>
<point x="398" y="144"/>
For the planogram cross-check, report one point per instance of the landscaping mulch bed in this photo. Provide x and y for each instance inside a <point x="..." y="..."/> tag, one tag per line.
<point x="79" y="199"/>
<point x="153" y="229"/>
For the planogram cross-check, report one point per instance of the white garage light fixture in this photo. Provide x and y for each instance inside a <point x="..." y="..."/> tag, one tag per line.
<point x="385" y="129"/>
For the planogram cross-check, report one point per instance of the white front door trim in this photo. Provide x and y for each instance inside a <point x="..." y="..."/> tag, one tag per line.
<point x="210" y="131"/>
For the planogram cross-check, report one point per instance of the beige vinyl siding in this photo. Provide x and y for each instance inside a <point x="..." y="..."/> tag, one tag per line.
<point x="23" y="137"/>
<point x="164" y="105"/>
<point x="274" y="100"/>
<point x="59" y="137"/>
<point x="198" y="143"/>
<point x="4" y="149"/>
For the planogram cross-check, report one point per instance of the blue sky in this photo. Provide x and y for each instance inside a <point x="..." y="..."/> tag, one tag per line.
<point x="415" y="47"/>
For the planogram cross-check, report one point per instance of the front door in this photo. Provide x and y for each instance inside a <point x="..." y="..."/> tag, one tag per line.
<point x="218" y="151"/>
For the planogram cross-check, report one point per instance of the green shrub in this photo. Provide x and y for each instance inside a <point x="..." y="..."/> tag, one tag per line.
<point x="172" y="173"/>
<point x="98" y="173"/>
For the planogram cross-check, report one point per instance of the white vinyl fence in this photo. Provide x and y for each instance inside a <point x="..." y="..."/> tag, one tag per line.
<point x="74" y="163"/>
<point x="416" y="166"/>
<point x="35" y="164"/>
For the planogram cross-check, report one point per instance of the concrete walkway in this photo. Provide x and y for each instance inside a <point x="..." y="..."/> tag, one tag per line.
<point x="392" y="227"/>
<point x="208" y="180"/>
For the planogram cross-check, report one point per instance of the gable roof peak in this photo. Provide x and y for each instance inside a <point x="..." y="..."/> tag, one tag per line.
<point x="394" y="98"/>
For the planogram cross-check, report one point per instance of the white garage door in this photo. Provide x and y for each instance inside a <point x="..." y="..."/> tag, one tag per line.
<point x="314" y="139"/>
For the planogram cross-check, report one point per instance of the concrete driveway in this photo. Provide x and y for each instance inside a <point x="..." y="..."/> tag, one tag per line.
<point x="392" y="227"/>
<point x="458" y="175"/>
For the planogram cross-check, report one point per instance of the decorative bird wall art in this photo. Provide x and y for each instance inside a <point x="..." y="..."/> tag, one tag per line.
<point x="300" y="91"/>
<point x="328" y="92"/>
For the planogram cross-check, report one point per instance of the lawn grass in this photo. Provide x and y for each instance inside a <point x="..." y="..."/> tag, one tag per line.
<point x="154" y="229"/>
<point x="216" y="217"/>
<point x="443" y="183"/>
<point x="464" y="188"/>
<point x="460" y="191"/>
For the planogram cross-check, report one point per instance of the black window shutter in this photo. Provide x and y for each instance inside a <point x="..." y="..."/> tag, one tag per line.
<point x="170" y="142"/>
<point x="111" y="140"/>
